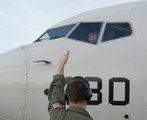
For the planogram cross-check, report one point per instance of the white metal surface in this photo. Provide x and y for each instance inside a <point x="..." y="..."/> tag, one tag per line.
<point x="23" y="81"/>
<point x="12" y="85"/>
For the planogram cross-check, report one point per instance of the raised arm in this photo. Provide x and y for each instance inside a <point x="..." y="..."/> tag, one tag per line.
<point x="62" y="61"/>
<point x="56" y="97"/>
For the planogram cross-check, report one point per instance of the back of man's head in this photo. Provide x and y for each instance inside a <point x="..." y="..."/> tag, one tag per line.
<point x="78" y="90"/>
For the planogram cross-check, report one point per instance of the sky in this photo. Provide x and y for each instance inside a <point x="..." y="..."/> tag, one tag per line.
<point x="23" y="21"/>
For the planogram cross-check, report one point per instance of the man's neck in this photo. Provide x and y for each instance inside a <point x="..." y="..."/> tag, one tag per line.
<point x="79" y="104"/>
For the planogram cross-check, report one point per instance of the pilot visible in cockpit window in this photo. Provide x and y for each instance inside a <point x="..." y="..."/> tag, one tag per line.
<point x="92" y="37"/>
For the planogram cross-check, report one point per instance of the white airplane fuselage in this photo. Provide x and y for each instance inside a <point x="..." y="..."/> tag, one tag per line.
<point x="116" y="67"/>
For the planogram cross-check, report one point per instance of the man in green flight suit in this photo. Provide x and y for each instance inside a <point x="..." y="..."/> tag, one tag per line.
<point x="77" y="94"/>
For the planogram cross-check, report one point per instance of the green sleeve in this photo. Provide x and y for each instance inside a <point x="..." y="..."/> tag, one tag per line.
<point x="56" y="95"/>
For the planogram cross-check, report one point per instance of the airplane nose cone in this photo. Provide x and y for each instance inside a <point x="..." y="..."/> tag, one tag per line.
<point x="15" y="57"/>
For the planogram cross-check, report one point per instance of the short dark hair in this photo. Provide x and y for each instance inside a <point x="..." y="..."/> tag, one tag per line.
<point x="77" y="90"/>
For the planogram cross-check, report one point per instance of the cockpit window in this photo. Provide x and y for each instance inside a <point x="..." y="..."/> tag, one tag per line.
<point x="116" y="30"/>
<point x="56" y="33"/>
<point x="87" y="32"/>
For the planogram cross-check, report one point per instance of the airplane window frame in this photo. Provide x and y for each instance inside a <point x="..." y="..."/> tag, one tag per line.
<point x="85" y="32"/>
<point x="67" y="29"/>
<point x="115" y="32"/>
